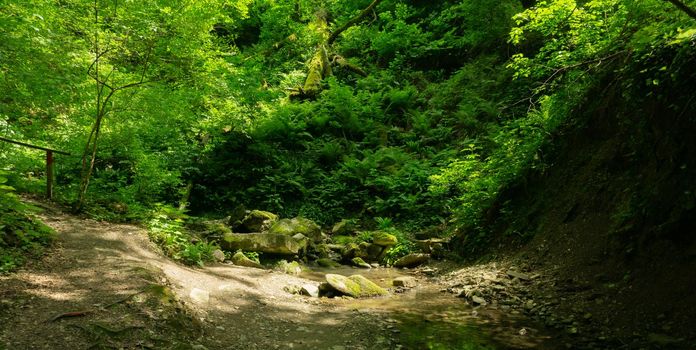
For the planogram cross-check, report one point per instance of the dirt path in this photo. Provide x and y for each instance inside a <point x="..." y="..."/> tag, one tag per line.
<point x="122" y="290"/>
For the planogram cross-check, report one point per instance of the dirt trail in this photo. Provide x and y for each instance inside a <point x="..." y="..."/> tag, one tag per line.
<point x="113" y="274"/>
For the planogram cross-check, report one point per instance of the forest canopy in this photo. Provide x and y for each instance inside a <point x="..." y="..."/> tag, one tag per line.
<point x="421" y="112"/>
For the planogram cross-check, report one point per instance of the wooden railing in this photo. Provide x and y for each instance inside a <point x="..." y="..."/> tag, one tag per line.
<point x="49" y="162"/>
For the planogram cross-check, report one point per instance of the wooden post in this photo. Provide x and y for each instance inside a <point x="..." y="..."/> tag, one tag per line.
<point x="49" y="174"/>
<point x="49" y="162"/>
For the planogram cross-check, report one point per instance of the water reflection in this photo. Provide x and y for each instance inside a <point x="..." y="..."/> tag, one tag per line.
<point x="426" y="318"/>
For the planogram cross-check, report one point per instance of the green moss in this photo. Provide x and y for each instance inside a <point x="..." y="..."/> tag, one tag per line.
<point x="367" y="287"/>
<point x="384" y="239"/>
<point x="325" y="262"/>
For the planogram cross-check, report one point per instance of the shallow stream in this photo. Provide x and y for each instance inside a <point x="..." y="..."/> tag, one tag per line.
<point x="426" y="318"/>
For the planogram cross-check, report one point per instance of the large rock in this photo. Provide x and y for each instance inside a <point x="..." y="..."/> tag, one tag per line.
<point x="257" y="221"/>
<point x="240" y="259"/>
<point x="412" y="260"/>
<point x="262" y="242"/>
<point x="384" y="239"/>
<point x="350" y="251"/>
<point x="291" y="227"/>
<point x="367" y="287"/>
<point x="355" y="286"/>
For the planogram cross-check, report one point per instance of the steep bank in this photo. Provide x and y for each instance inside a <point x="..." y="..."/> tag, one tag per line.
<point x="611" y="221"/>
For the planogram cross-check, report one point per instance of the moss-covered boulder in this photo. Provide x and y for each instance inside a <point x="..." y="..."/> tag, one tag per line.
<point x="240" y="259"/>
<point x="262" y="242"/>
<point x="355" y="286"/>
<point x="412" y="260"/>
<point x="367" y="287"/>
<point x="298" y="225"/>
<point x="257" y="221"/>
<point x="384" y="239"/>
<point x="343" y="284"/>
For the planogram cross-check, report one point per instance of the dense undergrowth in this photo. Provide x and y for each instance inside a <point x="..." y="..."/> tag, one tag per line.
<point x="22" y="236"/>
<point x="458" y="102"/>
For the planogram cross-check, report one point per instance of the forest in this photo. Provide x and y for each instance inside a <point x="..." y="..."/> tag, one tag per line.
<point x="529" y="162"/>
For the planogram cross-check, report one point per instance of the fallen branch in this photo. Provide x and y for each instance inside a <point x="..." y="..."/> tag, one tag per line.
<point x="86" y="312"/>
<point x="70" y="314"/>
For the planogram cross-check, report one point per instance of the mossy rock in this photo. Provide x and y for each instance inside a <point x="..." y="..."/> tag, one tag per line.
<point x="384" y="239"/>
<point x="355" y="286"/>
<point x="326" y="262"/>
<point x="412" y="260"/>
<point x="240" y="259"/>
<point x="340" y="239"/>
<point x="298" y="225"/>
<point x="359" y="262"/>
<point x="367" y="287"/>
<point x="343" y="285"/>
<point x="258" y="221"/>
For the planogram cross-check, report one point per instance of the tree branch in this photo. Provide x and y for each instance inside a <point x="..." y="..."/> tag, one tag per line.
<point x="352" y="21"/>
<point x="682" y="6"/>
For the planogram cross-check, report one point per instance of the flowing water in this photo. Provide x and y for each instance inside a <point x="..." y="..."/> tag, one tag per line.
<point x="426" y="318"/>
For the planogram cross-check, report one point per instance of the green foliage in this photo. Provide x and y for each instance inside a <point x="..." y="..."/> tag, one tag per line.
<point x="253" y="256"/>
<point x="458" y="102"/>
<point x="22" y="236"/>
<point x="166" y="229"/>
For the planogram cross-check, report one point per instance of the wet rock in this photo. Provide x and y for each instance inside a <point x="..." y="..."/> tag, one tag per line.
<point x="405" y="281"/>
<point x="262" y="242"/>
<point x="310" y="290"/>
<point x="298" y="225"/>
<point x="257" y="221"/>
<point x="412" y="260"/>
<point x="384" y="239"/>
<point x="240" y="259"/>
<point x="359" y="262"/>
<point x="355" y="286"/>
